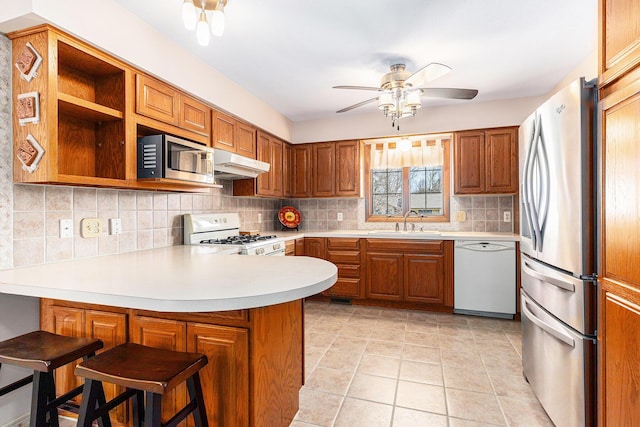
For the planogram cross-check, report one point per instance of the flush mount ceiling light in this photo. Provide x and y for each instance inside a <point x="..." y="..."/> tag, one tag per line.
<point x="401" y="91"/>
<point x="204" y="16"/>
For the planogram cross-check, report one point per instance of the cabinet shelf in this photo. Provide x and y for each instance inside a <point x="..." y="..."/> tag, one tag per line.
<point x="86" y="110"/>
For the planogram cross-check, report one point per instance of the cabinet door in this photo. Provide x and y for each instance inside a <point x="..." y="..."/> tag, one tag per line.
<point x="287" y="153"/>
<point x="469" y="163"/>
<point x="300" y="247"/>
<point x="347" y="168"/>
<point x="424" y="278"/>
<point x="620" y="370"/>
<point x="68" y="322"/>
<point x="224" y="132"/>
<point x="195" y="116"/>
<point x="384" y="276"/>
<point x="323" y="182"/>
<point x="501" y="149"/>
<point x="111" y="328"/>
<point x="301" y="171"/>
<point x="228" y="371"/>
<point x="276" y="175"/>
<point x="157" y="100"/>
<point x="246" y="140"/>
<point x="167" y="335"/>
<point x="619" y="38"/>
<point x="264" y="154"/>
<point x="315" y="247"/>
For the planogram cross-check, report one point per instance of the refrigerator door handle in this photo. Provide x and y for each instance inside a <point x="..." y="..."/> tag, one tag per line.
<point x="543" y="168"/>
<point x="534" y="162"/>
<point x="527" y="186"/>
<point x="528" y="269"/>
<point x="560" y="335"/>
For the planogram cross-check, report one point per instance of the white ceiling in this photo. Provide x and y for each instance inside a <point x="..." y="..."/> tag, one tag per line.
<point x="290" y="53"/>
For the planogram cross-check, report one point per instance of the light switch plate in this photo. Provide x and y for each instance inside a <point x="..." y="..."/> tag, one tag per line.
<point x="66" y="228"/>
<point x="115" y="226"/>
<point x="90" y="227"/>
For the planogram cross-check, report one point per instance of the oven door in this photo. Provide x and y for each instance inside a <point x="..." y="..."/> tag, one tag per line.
<point x="559" y="364"/>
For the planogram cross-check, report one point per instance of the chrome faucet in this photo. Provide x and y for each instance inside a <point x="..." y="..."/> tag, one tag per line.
<point x="406" y="215"/>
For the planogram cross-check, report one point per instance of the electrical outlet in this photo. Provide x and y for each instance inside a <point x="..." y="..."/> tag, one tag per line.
<point x="506" y="216"/>
<point x="66" y="228"/>
<point x="90" y="227"/>
<point x="259" y="218"/>
<point x="115" y="226"/>
<point x="461" y="216"/>
<point x="340" y="217"/>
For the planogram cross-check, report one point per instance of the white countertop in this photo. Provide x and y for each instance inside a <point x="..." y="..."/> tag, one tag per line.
<point x="390" y="234"/>
<point x="174" y="279"/>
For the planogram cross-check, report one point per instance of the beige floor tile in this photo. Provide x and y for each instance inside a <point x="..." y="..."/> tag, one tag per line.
<point x="403" y="417"/>
<point x="512" y="386"/>
<point x="424" y="327"/>
<point x="318" y="339"/>
<point x="472" y="379"/>
<point x="339" y="360"/>
<point x="458" y="422"/>
<point x="420" y="353"/>
<point x="356" y="330"/>
<point x="353" y="345"/>
<point x="421" y="338"/>
<point x="428" y="373"/>
<point x="474" y="406"/>
<point x="324" y="327"/>
<point x="355" y="412"/>
<point x="385" y="334"/>
<point x="423" y="397"/>
<point x="373" y="388"/>
<point x="373" y="364"/>
<point x="466" y="358"/>
<point x="502" y="363"/>
<point x="318" y="408"/>
<point x="392" y="323"/>
<point x="367" y="311"/>
<point x="297" y="424"/>
<point x="520" y="413"/>
<point x="367" y="321"/>
<point x="384" y="348"/>
<point x="329" y="380"/>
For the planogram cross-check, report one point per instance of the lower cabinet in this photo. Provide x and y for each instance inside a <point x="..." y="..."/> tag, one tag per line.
<point x="345" y="254"/>
<point x="255" y="368"/>
<point x="410" y="272"/>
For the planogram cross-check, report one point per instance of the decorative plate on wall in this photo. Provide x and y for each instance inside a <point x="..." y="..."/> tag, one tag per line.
<point x="289" y="217"/>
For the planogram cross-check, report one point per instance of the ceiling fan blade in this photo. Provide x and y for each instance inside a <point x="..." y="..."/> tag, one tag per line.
<point x="448" y="92"/>
<point x="358" y="87"/>
<point x="359" y="104"/>
<point x="427" y="74"/>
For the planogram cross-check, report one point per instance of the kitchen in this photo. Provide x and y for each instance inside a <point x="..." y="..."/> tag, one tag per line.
<point x="152" y="220"/>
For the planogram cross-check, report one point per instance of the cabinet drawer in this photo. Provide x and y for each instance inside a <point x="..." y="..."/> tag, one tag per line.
<point x="344" y="257"/>
<point x="430" y="246"/>
<point x="345" y="288"/>
<point x="343" y="243"/>
<point x="346" y="270"/>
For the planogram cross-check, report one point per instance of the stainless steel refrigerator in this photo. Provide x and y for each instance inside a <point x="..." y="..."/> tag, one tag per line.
<point x="558" y="262"/>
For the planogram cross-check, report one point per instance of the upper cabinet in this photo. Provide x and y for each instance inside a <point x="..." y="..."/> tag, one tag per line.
<point x="486" y="161"/>
<point x="69" y="111"/>
<point x="323" y="168"/>
<point x="619" y="38"/>
<point x="233" y="135"/>
<point x="268" y="184"/>
<point x="301" y="170"/>
<point x="335" y="169"/>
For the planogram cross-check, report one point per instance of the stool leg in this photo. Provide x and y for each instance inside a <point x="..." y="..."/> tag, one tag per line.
<point x="44" y="391"/>
<point x="92" y="398"/>
<point x="137" y="407"/>
<point x="195" y="393"/>
<point x="153" y="410"/>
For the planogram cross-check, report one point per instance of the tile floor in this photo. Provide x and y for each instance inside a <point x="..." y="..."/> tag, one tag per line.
<point x="369" y="366"/>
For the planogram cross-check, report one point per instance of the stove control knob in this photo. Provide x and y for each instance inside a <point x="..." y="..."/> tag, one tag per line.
<point x="276" y="246"/>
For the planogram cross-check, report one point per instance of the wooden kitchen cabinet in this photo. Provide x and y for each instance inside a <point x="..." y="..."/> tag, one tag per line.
<point x="419" y="273"/>
<point x="323" y="169"/>
<point x="335" y="169"/>
<point x="486" y="161"/>
<point x="268" y="184"/>
<point x="315" y="247"/>
<point x="232" y="135"/>
<point x="619" y="39"/>
<point x="245" y="140"/>
<point x="348" y="168"/>
<point x="345" y="254"/>
<point x="287" y="166"/>
<point x="301" y="170"/>
<point x="290" y="248"/>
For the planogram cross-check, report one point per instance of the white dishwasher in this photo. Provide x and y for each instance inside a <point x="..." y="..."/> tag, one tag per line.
<point x="485" y="278"/>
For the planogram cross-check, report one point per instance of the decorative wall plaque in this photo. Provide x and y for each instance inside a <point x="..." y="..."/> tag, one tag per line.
<point x="28" y="62"/>
<point x="28" y="108"/>
<point x="29" y="152"/>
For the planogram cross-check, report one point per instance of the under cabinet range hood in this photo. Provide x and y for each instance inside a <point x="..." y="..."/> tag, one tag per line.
<point x="229" y="165"/>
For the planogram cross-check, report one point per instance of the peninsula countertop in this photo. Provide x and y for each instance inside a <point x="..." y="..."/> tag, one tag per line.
<point x="174" y="279"/>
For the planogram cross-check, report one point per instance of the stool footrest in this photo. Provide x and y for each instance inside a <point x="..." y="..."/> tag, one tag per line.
<point x="118" y="400"/>
<point x="16" y="385"/>
<point x="59" y="401"/>
<point x="184" y="412"/>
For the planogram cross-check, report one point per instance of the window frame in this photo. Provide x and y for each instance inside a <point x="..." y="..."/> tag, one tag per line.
<point x="446" y="188"/>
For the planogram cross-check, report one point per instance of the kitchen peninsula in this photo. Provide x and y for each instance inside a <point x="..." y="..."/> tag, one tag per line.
<point x="244" y="313"/>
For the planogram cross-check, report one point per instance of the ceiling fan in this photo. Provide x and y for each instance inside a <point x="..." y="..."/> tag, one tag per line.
<point x="401" y="91"/>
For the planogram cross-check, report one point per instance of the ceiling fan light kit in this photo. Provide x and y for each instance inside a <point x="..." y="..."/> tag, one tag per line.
<point x="401" y="91"/>
<point x="194" y="17"/>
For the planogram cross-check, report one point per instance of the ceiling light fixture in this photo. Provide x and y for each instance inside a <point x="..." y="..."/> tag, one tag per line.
<point x="204" y="16"/>
<point x="399" y="99"/>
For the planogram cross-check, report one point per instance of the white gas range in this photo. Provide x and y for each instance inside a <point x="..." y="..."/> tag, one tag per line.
<point x="223" y="229"/>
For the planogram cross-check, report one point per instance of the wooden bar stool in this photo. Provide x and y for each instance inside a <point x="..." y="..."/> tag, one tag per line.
<point x="142" y="370"/>
<point x="43" y="352"/>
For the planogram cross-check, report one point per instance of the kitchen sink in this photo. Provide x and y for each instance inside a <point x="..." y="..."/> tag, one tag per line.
<point x="406" y="234"/>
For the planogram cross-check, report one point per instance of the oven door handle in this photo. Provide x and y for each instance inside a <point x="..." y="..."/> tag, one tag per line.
<point x="565" y="338"/>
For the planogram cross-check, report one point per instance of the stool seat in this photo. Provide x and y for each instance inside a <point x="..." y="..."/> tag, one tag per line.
<point x="142" y="368"/>
<point x="43" y="351"/>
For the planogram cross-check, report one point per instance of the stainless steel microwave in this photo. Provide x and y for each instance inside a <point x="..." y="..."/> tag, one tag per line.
<point x="167" y="156"/>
